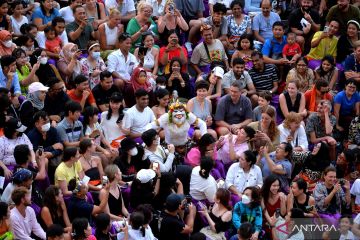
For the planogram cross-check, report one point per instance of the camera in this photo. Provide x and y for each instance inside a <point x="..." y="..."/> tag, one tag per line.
<point x="342" y="182"/>
<point x="40" y="150"/>
<point x="309" y="208"/>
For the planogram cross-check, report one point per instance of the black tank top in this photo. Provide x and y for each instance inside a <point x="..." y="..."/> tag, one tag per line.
<point x="93" y="173"/>
<point x="115" y="205"/>
<point x="290" y="106"/>
<point x="302" y="206"/>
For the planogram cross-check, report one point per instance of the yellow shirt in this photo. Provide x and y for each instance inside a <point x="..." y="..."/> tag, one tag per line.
<point x="63" y="172"/>
<point x="327" y="46"/>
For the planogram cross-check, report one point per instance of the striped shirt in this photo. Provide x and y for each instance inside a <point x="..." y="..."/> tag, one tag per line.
<point x="264" y="80"/>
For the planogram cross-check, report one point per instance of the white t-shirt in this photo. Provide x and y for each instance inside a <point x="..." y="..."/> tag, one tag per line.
<point x="67" y="14"/>
<point x="126" y="7"/>
<point x="6" y="195"/>
<point x="41" y="39"/>
<point x="348" y="236"/>
<point x="109" y="127"/>
<point x="136" y="121"/>
<point x="17" y="24"/>
<point x="201" y="188"/>
<point x="137" y="235"/>
<point x="355" y="190"/>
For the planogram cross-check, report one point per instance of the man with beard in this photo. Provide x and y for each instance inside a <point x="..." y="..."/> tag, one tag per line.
<point x="55" y="100"/>
<point x="233" y="112"/>
<point x="217" y="20"/>
<point x="23" y="220"/>
<point x="304" y="32"/>
<point x="343" y="12"/>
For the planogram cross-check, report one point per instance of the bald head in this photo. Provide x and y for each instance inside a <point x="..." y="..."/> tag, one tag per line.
<point x="265" y="7"/>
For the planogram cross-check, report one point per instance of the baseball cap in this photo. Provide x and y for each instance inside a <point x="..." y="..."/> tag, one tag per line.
<point x="13" y="123"/>
<point x="173" y="201"/>
<point x="145" y="175"/>
<point x="37" y="86"/>
<point x="218" y="71"/>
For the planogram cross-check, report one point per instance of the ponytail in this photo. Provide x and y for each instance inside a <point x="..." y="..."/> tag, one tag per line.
<point x="142" y="230"/>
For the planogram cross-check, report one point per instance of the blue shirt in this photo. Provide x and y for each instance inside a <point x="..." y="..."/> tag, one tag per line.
<point x="272" y="46"/>
<point x="38" y="13"/>
<point x="15" y="85"/>
<point x="264" y="24"/>
<point x="243" y="213"/>
<point x="347" y="105"/>
<point x="350" y="64"/>
<point x="286" y="165"/>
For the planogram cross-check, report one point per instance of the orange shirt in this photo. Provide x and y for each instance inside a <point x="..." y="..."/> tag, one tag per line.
<point x="310" y="105"/>
<point x="89" y="101"/>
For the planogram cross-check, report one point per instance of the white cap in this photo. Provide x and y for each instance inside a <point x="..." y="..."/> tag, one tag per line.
<point x="218" y="71"/>
<point x="145" y="175"/>
<point x="37" y="86"/>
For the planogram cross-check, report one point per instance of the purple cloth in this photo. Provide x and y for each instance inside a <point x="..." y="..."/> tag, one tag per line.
<point x="234" y="199"/>
<point x="330" y="219"/>
<point x="138" y="140"/>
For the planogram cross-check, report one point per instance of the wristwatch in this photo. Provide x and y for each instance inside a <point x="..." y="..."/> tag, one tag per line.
<point x="271" y="91"/>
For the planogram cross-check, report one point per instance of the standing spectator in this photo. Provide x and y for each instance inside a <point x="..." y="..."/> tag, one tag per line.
<point x="70" y="128"/>
<point x="233" y="111"/>
<point x="80" y="31"/>
<point x="104" y="90"/>
<point x="82" y="93"/>
<point x="126" y="8"/>
<point x="110" y="30"/>
<point x="263" y="22"/>
<point x="44" y="14"/>
<point x="22" y="217"/>
<point x="121" y="62"/>
<point x="174" y="225"/>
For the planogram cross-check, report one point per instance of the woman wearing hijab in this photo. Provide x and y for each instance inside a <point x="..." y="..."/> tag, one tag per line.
<point x="139" y="79"/>
<point x="69" y="65"/>
<point x="33" y="103"/>
<point x="6" y="44"/>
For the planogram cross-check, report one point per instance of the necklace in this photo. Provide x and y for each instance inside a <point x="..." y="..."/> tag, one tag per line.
<point x="89" y="162"/>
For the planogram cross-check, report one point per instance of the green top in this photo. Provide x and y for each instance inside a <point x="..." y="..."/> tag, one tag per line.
<point x="134" y="26"/>
<point x="25" y="73"/>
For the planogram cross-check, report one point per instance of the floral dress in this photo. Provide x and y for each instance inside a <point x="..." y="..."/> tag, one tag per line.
<point x="87" y="70"/>
<point x="235" y="30"/>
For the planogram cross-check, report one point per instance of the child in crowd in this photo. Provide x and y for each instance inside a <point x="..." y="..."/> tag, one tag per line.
<point x="244" y="50"/>
<point x="345" y="226"/>
<point x="292" y="50"/>
<point x="53" y="42"/>
<point x="264" y="102"/>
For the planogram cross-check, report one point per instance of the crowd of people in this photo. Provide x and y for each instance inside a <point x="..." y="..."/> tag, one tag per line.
<point x="179" y="119"/>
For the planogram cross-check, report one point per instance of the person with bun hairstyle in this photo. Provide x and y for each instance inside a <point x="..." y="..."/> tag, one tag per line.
<point x="136" y="229"/>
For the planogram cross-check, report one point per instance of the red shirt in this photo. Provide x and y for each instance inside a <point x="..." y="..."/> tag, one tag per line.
<point x="171" y="54"/>
<point x="54" y="45"/>
<point x="89" y="101"/>
<point x="290" y="51"/>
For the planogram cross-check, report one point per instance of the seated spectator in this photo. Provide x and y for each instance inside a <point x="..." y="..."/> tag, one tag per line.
<point x="8" y="77"/>
<point x="140" y="23"/>
<point x="245" y="231"/>
<point x="169" y="19"/>
<point x="293" y="132"/>
<point x="5" y="219"/>
<point x="277" y="163"/>
<point x="54" y="232"/>
<point x="103" y="90"/>
<point x="156" y="153"/>
<point x="238" y="74"/>
<point x="214" y="78"/>
<point x="81" y="229"/>
<point x="115" y="206"/>
<point x="220" y="215"/>
<point x="299" y="197"/>
<point x="330" y="196"/>
<point x="162" y="98"/>
<point x="292" y="50"/>
<point x="139" y="80"/>
<point x="264" y="76"/>
<point x="4" y="16"/>
<point x="21" y="178"/>
<point x="173" y="225"/>
<point x="263" y="22"/>
<point x="147" y="54"/>
<point x="145" y="187"/>
<point x="178" y="80"/>
<point x="320" y="126"/>
<point x="346" y="104"/>
<point x="130" y="159"/>
<point x="245" y="47"/>
<point x="302" y="74"/>
<point x="93" y="65"/>
<point x="82" y="92"/>
<point x="202" y="184"/>
<point x="80" y="31"/>
<point x="172" y="49"/>
<point x="233" y="111"/>
<point x="44" y="14"/>
<point x="78" y="206"/>
<point x="138" y="116"/>
<point x="55" y="101"/>
<point x="95" y="11"/>
<point x="354" y="132"/>
<point x="318" y="93"/>
<point x="69" y="172"/>
<point x="103" y="226"/>
<point x="25" y="72"/>
<point x="6" y="44"/>
<point x="34" y="103"/>
<point x="90" y="164"/>
<point x="67" y="13"/>
<point x="110" y="30"/>
<point x="13" y="136"/>
<point x="70" y="129"/>
<point x="111" y="121"/>
<point x="121" y="62"/>
<point x="69" y="63"/>
<point x="323" y="43"/>
<point x="347" y="42"/>
<point x="127" y="10"/>
<point x="273" y="202"/>
<point x="328" y="72"/>
<point x="351" y="65"/>
<point x="209" y="53"/>
<point x="267" y="132"/>
<point x="249" y="208"/>
<point x="54" y="210"/>
<point x="242" y="175"/>
<point x="292" y="100"/>
<point x="23" y="220"/>
<point x="347" y="164"/>
<point x="263" y="102"/>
